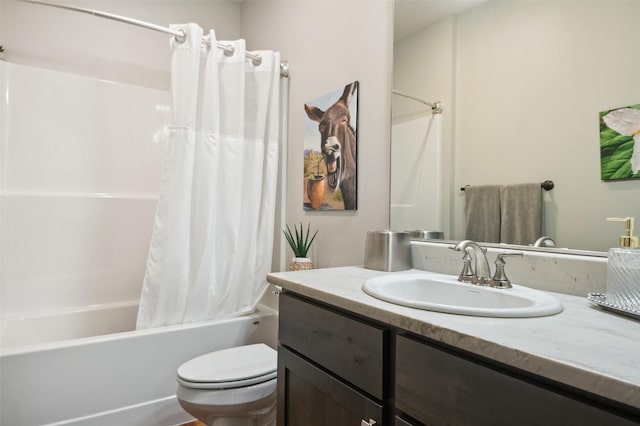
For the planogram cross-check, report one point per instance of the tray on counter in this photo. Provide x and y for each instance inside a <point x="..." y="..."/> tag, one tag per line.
<point x="601" y="300"/>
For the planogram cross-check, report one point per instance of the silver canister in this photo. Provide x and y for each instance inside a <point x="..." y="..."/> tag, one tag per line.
<point x="388" y="251"/>
<point x="426" y="234"/>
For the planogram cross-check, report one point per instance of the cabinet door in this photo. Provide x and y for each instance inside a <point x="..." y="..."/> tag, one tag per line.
<point x="438" y="387"/>
<point x="401" y="422"/>
<point x="349" y="348"/>
<point x="308" y="396"/>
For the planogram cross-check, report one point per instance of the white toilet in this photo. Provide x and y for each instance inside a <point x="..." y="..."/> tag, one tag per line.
<point x="231" y="387"/>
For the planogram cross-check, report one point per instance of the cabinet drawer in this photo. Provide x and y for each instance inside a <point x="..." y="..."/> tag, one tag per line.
<point x="438" y="387"/>
<point x="349" y="348"/>
<point x="307" y="396"/>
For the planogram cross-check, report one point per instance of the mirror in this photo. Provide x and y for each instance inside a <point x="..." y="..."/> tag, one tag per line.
<point x="522" y="85"/>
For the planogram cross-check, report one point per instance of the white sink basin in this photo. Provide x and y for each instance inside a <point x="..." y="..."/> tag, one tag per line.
<point x="443" y="293"/>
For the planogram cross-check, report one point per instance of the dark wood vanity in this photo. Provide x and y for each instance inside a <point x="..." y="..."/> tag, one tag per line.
<point x="338" y="368"/>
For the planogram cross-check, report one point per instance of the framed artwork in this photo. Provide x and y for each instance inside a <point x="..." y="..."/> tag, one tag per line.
<point x="330" y="151"/>
<point x="620" y="143"/>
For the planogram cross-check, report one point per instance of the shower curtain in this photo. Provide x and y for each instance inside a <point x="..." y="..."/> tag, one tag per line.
<point x="213" y="233"/>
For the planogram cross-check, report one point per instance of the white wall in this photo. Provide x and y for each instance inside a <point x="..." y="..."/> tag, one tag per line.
<point x="79" y="43"/>
<point x="530" y="80"/>
<point x="331" y="43"/>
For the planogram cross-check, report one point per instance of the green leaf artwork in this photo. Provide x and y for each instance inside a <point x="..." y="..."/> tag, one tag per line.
<point x="620" y="143"/>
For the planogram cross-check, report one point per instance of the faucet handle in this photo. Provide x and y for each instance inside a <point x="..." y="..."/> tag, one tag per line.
<point x="500" y="279"/>
<point x="467" y="274"/>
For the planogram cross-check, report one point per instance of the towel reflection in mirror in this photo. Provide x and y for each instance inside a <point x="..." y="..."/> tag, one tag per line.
<point x="509" y="214"/>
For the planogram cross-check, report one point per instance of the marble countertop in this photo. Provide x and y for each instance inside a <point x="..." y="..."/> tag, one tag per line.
<point x="584" y="346"/>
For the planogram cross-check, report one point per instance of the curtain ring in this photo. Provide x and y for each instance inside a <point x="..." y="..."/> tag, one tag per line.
<point x="182" y="37"/>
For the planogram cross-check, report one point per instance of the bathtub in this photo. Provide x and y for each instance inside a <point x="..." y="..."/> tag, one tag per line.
<point x="66" y="324"/>
<point x="117" y="378"/>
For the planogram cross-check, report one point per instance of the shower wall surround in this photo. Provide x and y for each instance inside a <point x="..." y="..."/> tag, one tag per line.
<point x="80" y="169"/>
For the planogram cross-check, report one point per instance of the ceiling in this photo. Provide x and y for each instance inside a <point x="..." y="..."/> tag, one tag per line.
<point x="413" y="15"/>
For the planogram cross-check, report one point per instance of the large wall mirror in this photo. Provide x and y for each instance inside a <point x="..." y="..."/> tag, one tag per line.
<point x="522" y="83"/>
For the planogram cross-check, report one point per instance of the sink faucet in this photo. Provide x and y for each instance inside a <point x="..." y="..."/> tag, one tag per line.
<point x="544" y="242"/>
<point x="482" y="274"/>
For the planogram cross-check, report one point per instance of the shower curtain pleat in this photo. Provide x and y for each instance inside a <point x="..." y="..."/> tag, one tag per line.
<point x="212" y="242"/>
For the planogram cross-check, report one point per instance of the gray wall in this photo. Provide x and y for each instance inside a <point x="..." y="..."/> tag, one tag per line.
<point x="329" y="44"/>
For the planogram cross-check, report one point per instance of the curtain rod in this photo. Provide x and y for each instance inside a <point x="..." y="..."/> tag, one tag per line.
<point x="436" y="108"/>
<point x="180" y="35"/>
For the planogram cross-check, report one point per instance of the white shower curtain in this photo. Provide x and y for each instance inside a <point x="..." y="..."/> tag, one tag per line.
<point x="212" y="239"/>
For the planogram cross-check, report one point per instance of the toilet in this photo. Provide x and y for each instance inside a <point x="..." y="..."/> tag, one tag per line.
<point x="231" y="387"/>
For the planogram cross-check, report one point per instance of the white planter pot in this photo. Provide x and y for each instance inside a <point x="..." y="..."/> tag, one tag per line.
<point x="300" y="264"/>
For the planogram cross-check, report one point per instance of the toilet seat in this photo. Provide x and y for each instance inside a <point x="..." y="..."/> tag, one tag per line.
<point x="236" y="367"/>
<point x="228" y="397"/>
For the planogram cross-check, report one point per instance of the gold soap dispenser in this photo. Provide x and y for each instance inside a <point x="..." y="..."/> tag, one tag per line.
<point x="628" y="240"/>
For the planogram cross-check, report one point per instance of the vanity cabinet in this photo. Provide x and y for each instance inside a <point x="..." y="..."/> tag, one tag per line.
<point x="309" y="396"/>
<point x="438" y="386"/>
<point x="339" y="369"/>
<point x="330" y="367"/>
<point x="400" y="422"/>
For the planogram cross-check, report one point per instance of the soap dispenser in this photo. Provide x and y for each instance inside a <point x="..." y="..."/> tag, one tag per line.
<point x="623" y="267"/>
<point x="628" y="240"/>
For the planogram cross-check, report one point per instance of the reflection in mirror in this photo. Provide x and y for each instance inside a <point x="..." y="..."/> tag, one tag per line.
<point x="522" y="85"/>
<point x="415" y="164"/>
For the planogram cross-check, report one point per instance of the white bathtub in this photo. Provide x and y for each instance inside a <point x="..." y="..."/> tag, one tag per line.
<point x="66" y="324"/>
<point x="126" y="378"/>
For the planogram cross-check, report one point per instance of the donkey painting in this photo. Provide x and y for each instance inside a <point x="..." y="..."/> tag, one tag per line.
<point x="338" y="144"/>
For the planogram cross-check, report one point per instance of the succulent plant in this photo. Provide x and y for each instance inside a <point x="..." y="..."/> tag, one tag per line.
<point x="300" y="243"/>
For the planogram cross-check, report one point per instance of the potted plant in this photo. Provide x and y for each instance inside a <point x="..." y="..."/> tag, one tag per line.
<point x="300" y="243"/>
<point x="315" y="190"/>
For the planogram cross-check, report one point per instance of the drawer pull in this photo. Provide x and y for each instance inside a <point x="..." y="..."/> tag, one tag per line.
<point x="371" y="422"/>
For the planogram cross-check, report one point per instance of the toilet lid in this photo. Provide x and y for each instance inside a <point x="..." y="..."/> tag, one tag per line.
<point x="228" y="368"/>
